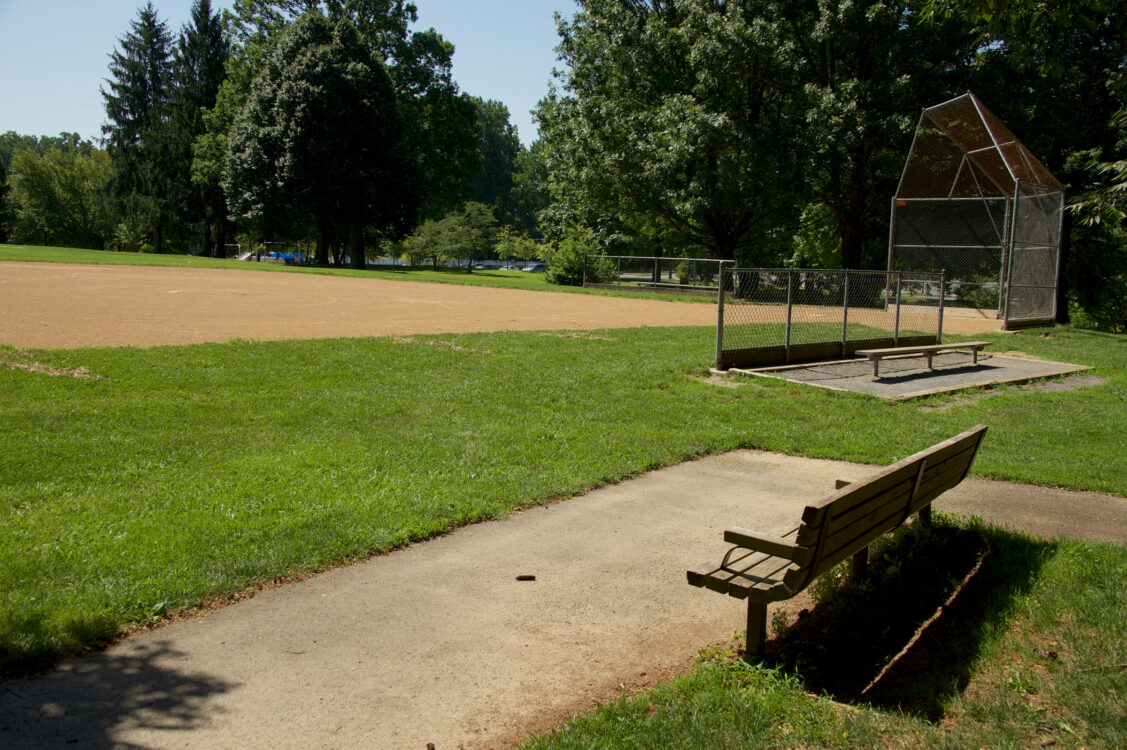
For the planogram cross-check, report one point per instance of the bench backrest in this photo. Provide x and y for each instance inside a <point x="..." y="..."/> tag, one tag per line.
<point x="846" y="521"/>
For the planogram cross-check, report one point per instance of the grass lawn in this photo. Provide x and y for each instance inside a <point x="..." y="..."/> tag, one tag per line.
<point x="492" y="278"/>
<point x="1030" y="650"/>
<point x="141" y="481"/>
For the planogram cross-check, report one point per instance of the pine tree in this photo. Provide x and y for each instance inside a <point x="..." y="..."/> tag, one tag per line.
<point x="137" y="106"/>
<point x="198" y="68"/>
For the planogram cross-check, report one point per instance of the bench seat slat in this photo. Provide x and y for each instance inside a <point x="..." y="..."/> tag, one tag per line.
<point x="894" y="350"/>
<point x="765" y="574"/>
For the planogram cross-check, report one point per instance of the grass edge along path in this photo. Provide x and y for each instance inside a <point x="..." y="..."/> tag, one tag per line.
<point x="137" y="483"/>
<point x="1030" y="653"/>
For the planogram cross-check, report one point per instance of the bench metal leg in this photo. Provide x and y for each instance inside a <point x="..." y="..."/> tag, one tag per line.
<point x="756" y="631"/>
<point x="876" y="368"/>
<point x="930" y="356"/>
<point x="860" y="564"/>
<point x="925" y="515"/>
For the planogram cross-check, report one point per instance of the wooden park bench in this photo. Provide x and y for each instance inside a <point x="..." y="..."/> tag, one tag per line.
<point x="927" y="350"/>
<point x="763" y="568"/>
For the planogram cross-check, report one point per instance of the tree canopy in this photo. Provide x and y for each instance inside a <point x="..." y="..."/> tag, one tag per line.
<point x="320" y="137"/>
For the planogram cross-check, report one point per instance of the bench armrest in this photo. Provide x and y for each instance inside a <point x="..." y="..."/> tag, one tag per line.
<point x="771" y="545"/>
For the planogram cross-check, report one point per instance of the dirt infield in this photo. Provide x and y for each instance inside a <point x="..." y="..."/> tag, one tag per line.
<point x="54" y="305"/>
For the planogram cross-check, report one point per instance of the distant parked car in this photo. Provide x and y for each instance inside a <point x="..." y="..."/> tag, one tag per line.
<point x="536" y="267"/>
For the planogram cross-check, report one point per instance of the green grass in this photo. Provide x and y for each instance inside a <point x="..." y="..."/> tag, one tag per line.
<point x="1029" y="652"/>
<point x="175" y="474"/>
<point x="489" y="278"/>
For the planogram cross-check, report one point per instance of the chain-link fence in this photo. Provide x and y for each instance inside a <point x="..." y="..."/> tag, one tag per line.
<point x="770" y="316"/>
<point x="1034" y="255"/>
<point x="975" y="203"/>
<point x="964" y="238"/>
<point x="698" y="276"/>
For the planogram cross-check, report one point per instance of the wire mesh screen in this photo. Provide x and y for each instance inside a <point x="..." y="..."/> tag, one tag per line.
<point x="963" y="237"/>
<point x="776" y="316"/>
<point x="679" y="275"/>
<point x="1034" y="254"/>
<point x="974" y="202"/>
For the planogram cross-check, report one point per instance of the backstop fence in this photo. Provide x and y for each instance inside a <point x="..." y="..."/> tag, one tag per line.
<point x="696" y="276"/>
<point x="773" y="316"/>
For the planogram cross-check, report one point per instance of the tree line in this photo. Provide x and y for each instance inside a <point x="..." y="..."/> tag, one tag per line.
<point x="770" y="132"/>
<point x="278" y="120"/>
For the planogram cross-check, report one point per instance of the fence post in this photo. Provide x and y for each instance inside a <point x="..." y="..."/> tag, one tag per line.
<point x="844" y="311"/>
<point x="896" y="328"/>
<point x="942" y="294"/>
<point x="790" y="304"/>
<point x="720" y="321"/>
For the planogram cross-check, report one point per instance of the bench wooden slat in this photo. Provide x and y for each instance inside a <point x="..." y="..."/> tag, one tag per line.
<point x="861" y="491"/>
<point x="763" y="572"/>
<point x="845" y="535"/>
<point x="772" y="588"/>
<point x="894" y="350"/>
<point x="942" y="475"/>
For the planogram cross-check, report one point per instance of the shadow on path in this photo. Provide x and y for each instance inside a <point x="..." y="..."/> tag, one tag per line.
<point x="88" y="702"/>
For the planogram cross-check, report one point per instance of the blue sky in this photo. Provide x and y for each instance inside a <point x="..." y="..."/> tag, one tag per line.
<point x="54" y="55"/>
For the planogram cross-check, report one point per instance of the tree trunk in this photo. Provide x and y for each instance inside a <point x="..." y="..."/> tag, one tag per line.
<point x="221" y="238"/>
<point x="725" y="247"/>
<point x="852" y="241"/>
<point x="356" y="245"/>
<point x="323" y="240"/>
<point x="158" y="237"/>
<point x="207" y="241"/>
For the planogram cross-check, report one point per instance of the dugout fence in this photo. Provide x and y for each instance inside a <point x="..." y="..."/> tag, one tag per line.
<point x="774" y="316"/>
<point x="696" y="276"/>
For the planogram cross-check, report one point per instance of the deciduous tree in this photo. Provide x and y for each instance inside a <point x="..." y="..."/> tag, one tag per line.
<point x="677" y="110"/>
<point x="59" y="196"/>
<point x="320" y="136"/>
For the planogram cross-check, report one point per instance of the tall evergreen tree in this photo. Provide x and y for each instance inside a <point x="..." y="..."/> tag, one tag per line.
<point x="198" y="69"/>
<point x="137" y="107"/>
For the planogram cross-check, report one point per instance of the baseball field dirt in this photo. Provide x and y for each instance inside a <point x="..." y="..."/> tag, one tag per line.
<point x="57" y="305"/>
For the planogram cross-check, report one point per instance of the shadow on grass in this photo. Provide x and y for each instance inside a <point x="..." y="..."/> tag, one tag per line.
<point x="90" y="701"/>
<point x="909" y="634"/>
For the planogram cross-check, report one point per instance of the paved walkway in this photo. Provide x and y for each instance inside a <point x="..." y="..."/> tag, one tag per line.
<point x="441" y="643"/>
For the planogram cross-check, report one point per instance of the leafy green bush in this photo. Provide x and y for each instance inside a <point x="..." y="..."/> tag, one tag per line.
<point x="127" y="236"/>
<point x="565" y="259"/>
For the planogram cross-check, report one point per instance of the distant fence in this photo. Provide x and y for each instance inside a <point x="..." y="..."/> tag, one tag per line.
<point x="699" y="276"/>
<point x="772" y="316"/>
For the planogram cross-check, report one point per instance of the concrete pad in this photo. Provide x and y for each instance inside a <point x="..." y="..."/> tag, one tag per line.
<point x="441" y="643"/>
<point x="909" y="377"/>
